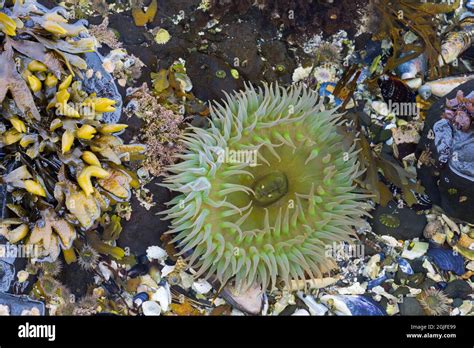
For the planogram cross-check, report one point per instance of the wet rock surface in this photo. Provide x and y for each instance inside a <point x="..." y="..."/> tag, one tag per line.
<point x="410" y="306"/>
<point x="235" y="46"/>
<point x="145" y="227"/>
<point x="254" y="48"/>
<point x="446" y="185"/>
<point x="76" y="279"/>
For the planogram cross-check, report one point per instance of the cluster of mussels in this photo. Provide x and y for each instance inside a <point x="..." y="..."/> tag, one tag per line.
<point x="62" y="164"/>
<point x="460" y="111"/>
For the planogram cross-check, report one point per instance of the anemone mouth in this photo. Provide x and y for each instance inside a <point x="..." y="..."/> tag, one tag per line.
<point x="265" y="189"/>
<point x="270" y="188"/>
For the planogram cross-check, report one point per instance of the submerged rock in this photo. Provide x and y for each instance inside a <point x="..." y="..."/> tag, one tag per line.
<point x="76" y="279"/>
<point x="457" y="302"/>
<point x="410" y="306"/>
<point x="141" y="231"/>
<point x="446" y="161"/>
<point x="415" y="250"/>
<point x="400" y="223"/>
<point x="458" y="289"/>
<point x="202" y="70"/>
<point x="427" y="284"/>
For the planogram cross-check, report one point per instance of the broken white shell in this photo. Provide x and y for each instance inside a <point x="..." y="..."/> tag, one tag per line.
<point x="419" y="249"/>
<point x="428" y="266"/>
<point x="154" y="252"/>
<point x="31" y="312"/>
<point x="381" y="291"/>
<point x="106" y="272"/>
<point x="314" y="307"/>
<point x="354" y="289"/>
<point x="163" y="297"/>
<point x="166" y="270"/>
<point x="151" y="308"/>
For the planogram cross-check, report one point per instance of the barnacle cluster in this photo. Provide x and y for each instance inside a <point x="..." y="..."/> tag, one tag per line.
<point x="62" y="164"/>
<point x="265" y="189"/>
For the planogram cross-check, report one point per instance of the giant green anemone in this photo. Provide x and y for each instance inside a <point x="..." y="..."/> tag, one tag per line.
<point x="271" y="219"/>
